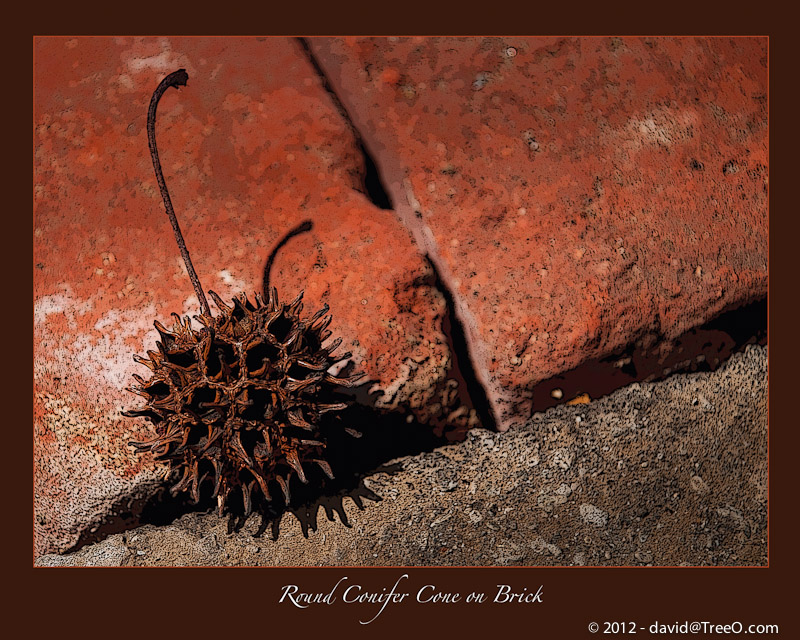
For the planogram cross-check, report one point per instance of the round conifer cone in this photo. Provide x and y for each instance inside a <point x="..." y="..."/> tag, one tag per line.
<point x="239" y="401"/>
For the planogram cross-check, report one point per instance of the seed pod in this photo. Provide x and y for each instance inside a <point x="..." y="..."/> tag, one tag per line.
<point x="237" y="402"/>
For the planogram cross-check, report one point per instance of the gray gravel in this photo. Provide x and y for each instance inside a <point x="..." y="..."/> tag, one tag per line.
<point x="666" y="473"/>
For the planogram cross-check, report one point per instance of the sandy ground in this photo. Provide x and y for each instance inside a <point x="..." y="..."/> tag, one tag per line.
<point x="665" y="473"/>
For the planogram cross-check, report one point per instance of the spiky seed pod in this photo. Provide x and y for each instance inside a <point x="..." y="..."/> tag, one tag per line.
<point x="239" y="401"/>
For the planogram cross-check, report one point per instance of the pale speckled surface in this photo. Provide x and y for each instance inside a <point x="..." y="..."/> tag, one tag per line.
<point x="667" y="473"/>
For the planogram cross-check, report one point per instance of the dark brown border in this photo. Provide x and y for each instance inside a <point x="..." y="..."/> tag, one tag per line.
<point x="238" y="602"/>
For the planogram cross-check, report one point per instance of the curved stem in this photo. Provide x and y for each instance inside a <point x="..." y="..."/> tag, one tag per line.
<point x="175" y="79"/>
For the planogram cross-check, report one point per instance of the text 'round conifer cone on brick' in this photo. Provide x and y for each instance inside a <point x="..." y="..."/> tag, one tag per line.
<point x="239" y="401"/>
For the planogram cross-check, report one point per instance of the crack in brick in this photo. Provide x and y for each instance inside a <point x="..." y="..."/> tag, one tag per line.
<point x="373" y="184"/>
<point x="458" y="325"/>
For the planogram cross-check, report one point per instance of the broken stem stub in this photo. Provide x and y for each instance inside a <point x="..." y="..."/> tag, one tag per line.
<point x="304" y="226"/>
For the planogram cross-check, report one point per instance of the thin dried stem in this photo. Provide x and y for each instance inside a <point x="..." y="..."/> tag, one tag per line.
<point x="175" y="79"/>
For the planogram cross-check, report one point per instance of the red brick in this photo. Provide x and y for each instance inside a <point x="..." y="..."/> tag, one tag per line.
<point x="250" y="148"/>
<point x="577" y="194"/>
